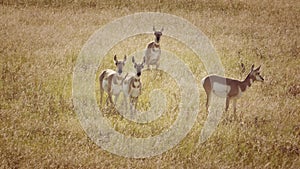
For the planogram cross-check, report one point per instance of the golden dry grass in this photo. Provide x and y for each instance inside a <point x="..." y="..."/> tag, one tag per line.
<point x="40" y="41"/>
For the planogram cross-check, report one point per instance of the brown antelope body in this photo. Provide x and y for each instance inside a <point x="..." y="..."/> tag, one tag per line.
<point x="229" y="88"/>
<point x="111" y="81"/>
<point x="152" y="54"/>
<point x="132" y="85"/>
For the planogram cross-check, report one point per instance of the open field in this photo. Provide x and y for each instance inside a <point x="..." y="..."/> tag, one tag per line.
<point x="41" y="40"/>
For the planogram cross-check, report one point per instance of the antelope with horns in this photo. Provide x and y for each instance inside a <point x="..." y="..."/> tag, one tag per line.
<point x="152" y="54"/>
<point x="132" y="85"/>
<point x="111" y="81"/>
<point x="229" y="88"/>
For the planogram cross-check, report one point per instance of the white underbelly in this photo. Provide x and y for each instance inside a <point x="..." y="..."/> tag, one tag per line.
<point x="153" y="56"/>
<point x="135" y="92"/>
<point x="116" y="89"/>
<point x="105" y="85"/>
<point x="221" y="90"/>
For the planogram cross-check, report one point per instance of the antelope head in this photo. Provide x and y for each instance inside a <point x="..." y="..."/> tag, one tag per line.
<point x="119" y="64"/>
<point x="158" y="34"/>
<point x="138" y="67"/>
<point x="255" y="74"/>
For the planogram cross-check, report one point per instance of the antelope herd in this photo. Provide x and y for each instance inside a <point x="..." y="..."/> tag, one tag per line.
<point x="114" y="82"/>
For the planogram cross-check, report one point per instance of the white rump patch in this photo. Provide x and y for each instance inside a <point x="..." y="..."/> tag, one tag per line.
<point x="105" y="85"/>
<point x="220" y="90"/>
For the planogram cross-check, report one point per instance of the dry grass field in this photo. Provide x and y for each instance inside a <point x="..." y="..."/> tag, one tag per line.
<point x="41" y="40"/>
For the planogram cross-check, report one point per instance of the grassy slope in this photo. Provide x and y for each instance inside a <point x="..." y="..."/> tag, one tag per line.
<point x="40" y="42"/>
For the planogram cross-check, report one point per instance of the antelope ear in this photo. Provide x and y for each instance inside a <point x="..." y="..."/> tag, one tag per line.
<point x="162" y="29"/>
<point x="133" y="61"/>
<point x="115" y="59"/>
<point x="154" y="28"/>
<point x="257" y="69"/>
<point x="252" y="67"/>
<point x="125" y="57"/>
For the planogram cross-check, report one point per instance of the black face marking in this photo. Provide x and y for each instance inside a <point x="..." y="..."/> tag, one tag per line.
<point x="157" y="36"/>
<point x="119" y="64"/>
<point x="138" y="68"/>
<point x="255" y="74"/>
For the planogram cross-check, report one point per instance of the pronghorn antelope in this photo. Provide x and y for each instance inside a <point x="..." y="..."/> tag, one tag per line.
<point x="229" y="88"/>
<point x="111" y="81"/>
<point x="153" y="51"/>
<point x="132" y="85"/>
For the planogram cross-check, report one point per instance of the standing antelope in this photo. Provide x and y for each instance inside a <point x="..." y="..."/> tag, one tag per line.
<point x="229" y="88"/>
<point x="132" y="86"/>
<point x="153" y="51"/>
<point x="111" y="81"/>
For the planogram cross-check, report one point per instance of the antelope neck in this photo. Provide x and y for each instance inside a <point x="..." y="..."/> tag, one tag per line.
<point x="156" y="44"/>
<point x="246" y="83"/>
